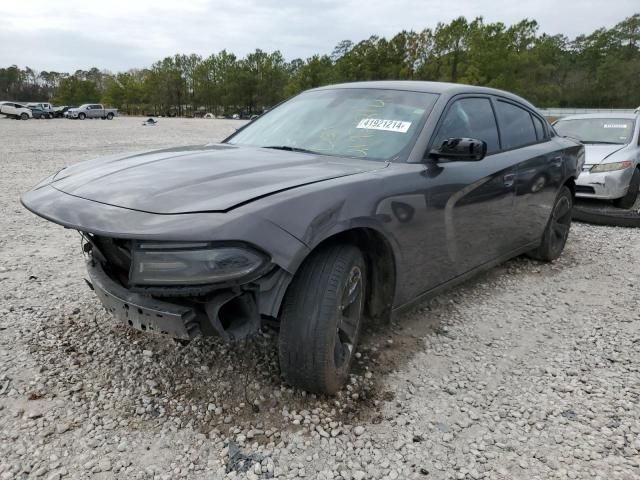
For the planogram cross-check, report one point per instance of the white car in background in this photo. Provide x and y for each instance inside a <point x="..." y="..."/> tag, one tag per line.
<point x="611" y="141"/>
<point x="15" y="110"/>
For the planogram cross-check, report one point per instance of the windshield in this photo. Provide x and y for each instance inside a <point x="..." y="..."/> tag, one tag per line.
<point x="597" y="130"/>
<point x="350" y="122"/>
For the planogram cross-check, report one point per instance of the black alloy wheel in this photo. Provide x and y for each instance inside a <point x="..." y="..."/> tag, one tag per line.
<point x="349" y="311"/>
<point x="558" y="226"/>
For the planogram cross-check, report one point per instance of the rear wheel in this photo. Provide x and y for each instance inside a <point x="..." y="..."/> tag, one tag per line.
<point x="630" y="198"/>
<point x="321" y="318"/>
<point x="557" y="230"/>
<point x="109" y="116"/>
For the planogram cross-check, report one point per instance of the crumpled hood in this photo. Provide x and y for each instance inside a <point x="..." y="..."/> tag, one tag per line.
<point x="597" y="153"/>
<point x="199" y="179"/>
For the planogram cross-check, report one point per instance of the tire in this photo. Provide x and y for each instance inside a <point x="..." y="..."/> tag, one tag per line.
<point x="23" y="116"/>
<point x="50" y="116"/>
<point x="557" y="229"/>
<point x="607" y="215"/>
<point x="317" y="338"/>
<point x="82" y="116"/>
<point x="630" y="198"/>
<point x="109" y="116"/>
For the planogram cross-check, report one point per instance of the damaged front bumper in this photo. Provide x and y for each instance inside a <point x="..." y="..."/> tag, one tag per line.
<point x="140" y="311"/>
<point x="231" y="313"/>
<point x="603" y="185"/>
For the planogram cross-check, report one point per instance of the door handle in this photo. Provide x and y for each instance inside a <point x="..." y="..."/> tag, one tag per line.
<point x="509" y="179"/>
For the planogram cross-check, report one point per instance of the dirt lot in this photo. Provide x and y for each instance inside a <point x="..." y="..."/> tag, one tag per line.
<point x="530" y="371"/>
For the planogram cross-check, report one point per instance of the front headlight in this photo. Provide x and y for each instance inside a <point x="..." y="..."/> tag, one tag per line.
<point x="191" y="264"/>
<point x="610" y="167"/>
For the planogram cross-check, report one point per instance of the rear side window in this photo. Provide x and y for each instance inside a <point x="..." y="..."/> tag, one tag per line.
<point x="516" y="126"/>
<point x="469" y="118"/>
<point x="537" y="123"/>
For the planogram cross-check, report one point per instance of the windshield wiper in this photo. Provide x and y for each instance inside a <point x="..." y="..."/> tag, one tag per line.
<point x="289" y="148"/>
<point x="594" y="142"/>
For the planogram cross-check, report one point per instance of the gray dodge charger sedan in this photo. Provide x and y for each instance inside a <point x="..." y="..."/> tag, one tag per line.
<point x="344" y="204"/>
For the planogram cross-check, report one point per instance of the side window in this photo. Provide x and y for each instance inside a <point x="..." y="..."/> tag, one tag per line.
<point x="469" y="118"/>
<point x="540" y="131"/>
<point x="516" y="126"/>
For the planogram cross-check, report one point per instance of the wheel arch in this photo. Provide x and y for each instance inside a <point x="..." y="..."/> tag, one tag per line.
<point x="571" y="184"/>
<point x="380" y="260"/>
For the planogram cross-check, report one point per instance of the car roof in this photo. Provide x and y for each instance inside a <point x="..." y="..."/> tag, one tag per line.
<point x="449" y="89"/>
<point x="584" y="116"/>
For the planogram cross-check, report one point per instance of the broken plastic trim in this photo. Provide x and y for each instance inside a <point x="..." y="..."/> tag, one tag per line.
<point x="233" y="314"/>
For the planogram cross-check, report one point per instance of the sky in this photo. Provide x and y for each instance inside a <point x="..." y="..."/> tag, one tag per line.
<point x="66" y="35"/>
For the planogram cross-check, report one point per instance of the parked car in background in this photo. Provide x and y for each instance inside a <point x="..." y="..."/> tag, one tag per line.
<point x="344" y="203"/>
<point x="612" y="145"/>
<point x="92" y="110"/>
<point x="58" y="112"/>
<point x="68" y="112"/>
<point x="46" y="107"/>
<point x="15" y="110"/>
<point x="39" y="113"/>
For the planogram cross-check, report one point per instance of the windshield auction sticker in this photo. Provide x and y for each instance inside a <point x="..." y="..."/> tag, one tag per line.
<point x="387" y="125"/>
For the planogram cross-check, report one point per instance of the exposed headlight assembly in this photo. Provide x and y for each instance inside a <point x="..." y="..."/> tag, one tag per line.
<point x="610" y="167"/>
<point x="159" y="263"/>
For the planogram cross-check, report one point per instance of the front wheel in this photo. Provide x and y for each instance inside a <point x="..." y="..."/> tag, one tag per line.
<point x="632" y="193"/>
<point x="82" y="116"/>
<point x="23" y="116"/>
<point x="321" y="318"/>
<point x="557" y="230"/>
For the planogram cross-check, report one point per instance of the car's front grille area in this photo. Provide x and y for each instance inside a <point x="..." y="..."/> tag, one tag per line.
<point x="585" y="189"/>
<point x="117" y="253"/>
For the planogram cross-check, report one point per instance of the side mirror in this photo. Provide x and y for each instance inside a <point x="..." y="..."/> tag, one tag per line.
<point x="462" y="149"/>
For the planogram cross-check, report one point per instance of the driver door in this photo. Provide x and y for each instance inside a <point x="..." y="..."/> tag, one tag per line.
<point x="473" y="200"/>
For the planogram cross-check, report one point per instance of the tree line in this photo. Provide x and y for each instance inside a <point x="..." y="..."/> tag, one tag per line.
<point x="600" y="69"/>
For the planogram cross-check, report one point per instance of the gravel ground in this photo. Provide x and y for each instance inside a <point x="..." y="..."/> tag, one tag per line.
<point x="530" y="371"/>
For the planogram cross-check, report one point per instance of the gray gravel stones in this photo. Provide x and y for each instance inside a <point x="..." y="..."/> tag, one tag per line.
<point x="527" y="372"/>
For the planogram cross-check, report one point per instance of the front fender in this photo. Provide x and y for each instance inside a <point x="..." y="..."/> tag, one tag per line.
<point x="314" y="213"/>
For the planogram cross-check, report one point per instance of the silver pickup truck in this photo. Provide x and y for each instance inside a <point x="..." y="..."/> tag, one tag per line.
<point x="92" y="110"/>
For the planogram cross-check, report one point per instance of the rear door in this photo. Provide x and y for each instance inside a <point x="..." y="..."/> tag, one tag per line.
<point x="539" y="173"/>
